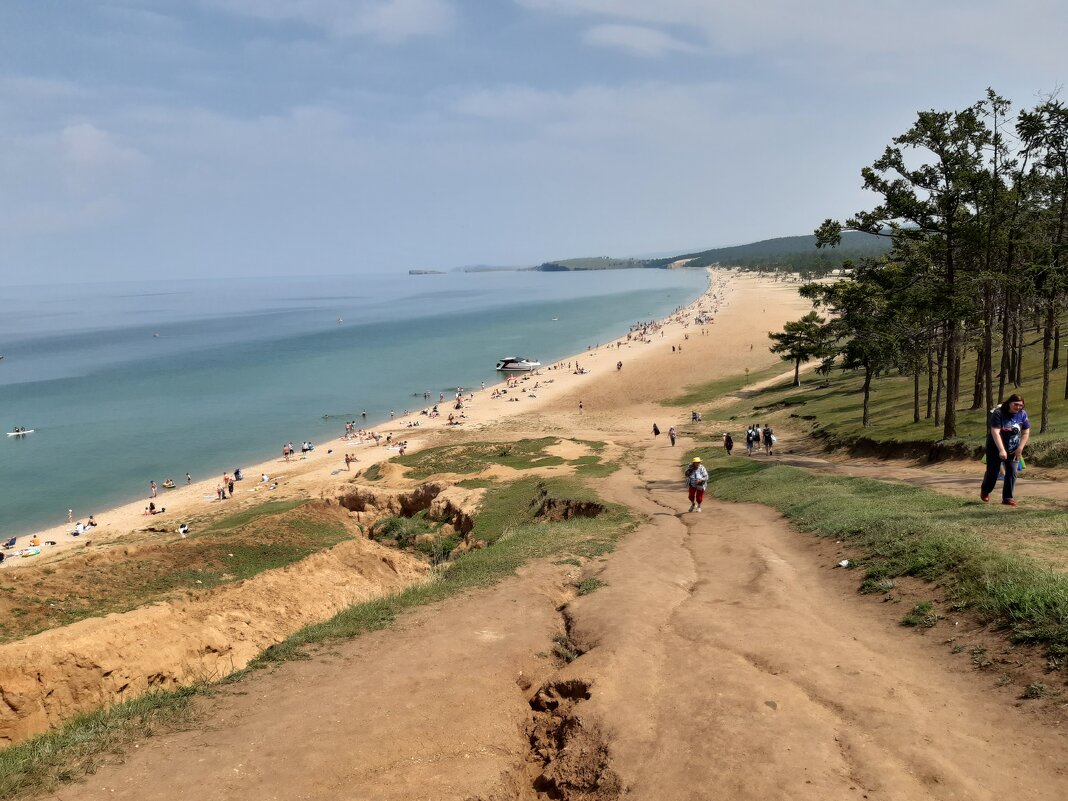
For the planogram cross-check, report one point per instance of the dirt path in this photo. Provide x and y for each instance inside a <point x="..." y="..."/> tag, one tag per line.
<point x="724" y="659"/>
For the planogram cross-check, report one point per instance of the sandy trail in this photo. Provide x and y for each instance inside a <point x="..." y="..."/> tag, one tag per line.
<point x="757" y="673"/>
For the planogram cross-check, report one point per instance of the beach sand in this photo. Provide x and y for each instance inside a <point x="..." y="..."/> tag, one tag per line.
<point x="744" y="307"/>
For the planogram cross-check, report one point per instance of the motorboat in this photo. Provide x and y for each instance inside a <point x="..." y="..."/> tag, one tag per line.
<point x="517" y="364"/>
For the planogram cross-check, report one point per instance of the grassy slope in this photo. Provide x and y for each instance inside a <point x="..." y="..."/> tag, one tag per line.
<point x="506" y="520"/>
<point x="832" y="407"/>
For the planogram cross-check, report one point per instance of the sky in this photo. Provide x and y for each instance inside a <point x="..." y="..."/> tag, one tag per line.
<point x="230" y="138"/>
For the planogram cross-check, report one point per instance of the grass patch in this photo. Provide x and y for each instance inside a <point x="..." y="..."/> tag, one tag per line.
<point x="907" y="531"/>
<point x="247" y="516"/>
<point x="85" y="742"/>
<point x="475" y="483"/>
<point x="238" y="547"/>
<point x="588" y="585"/>
<point x="593" y="467"/>
<point x="372" y="473"/>
<point x="474" y="457"/>
<point x="700" y="394"/>
<point x="922" y="615"/>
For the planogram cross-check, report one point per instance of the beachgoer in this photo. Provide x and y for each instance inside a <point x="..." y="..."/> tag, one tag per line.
<point x="188" y="479"/>
<point x="348" y="461"/>
<point x="70" y="515"/>
<point x="728" y="443"/>
<point x="672" y="434"/>
<point x="152" y="488"/>
<point x="580" y="407"/>
<point x="696" y="479"/>
<point x="656" y="431"/>
<point x="1007" y="434"/>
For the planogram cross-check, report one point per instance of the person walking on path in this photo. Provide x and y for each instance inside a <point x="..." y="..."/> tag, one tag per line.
<point x="656" y="431"/>
<point x="673" y="434"/>
<point x="728" y="443"/>
<point x="696" y="480"/>
<point x="1006" y="436"/>
<point x="749" y="437"/>
<point x="769" y="439"/>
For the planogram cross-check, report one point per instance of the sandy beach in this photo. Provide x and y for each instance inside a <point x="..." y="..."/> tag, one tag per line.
<point x="673" y="352"/>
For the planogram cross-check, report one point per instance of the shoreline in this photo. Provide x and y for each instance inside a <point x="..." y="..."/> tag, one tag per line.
<point x="288" y="478"/>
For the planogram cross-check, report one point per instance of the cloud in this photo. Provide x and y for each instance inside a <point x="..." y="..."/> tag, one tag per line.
<point x="76" y="177"/>
<point x="829" y="30"/>
<point x="637" y="39"/>
<point x="385" y="20"/>
<point x="86" y="147"/>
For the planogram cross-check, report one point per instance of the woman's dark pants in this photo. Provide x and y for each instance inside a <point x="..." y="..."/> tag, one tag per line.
<point x="994" y="464"/>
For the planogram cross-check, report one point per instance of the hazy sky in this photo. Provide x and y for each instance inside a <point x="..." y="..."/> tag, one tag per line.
<point x="238" y="137"/>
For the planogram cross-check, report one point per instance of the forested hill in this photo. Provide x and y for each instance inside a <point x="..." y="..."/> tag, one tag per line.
<point x="790" y="253"/>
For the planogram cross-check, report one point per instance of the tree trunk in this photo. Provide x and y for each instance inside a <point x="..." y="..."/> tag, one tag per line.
<point x="977" y="385"/>
<point x="940" y="384"/>
<point x="916" y="394"/>
<point x="1056" y="347"/>
<point x="931" y="380"/>
<point x="797" y="372"/>
<point x="867" y="394"/>
<point x="949" y="425"/>
<point x="1018" y="377"/>
<point x="1006" y="349"/>
<point x="1047" y="361"/>
<point x="988" y="342"/>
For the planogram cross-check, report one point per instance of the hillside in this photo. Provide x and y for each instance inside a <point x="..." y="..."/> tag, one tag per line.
<point x="790" y="253"/>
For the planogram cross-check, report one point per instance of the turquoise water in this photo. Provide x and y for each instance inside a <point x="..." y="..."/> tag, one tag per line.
<point x="127" y="383"/>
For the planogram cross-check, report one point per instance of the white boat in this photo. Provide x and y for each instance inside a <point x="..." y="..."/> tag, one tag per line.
<point x="517" y="364"/>
<point x="20" y="433"/>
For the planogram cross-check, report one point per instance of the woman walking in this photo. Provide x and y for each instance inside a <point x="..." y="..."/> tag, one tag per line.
<point x="696" y="479"/>
<point x="673" y="435"/>
<point x="1006" y="436"/>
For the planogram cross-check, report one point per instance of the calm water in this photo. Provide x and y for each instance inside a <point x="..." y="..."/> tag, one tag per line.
<point x="125" y="383"/>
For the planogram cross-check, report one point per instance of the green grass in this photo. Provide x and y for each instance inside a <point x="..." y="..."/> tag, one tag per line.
<point x="921" y="615"/>
<point x="588" y="585"/>
<point x="901" y="530"/>
<point x="247" y="516"/>
<point x="696" y="395"/>
<point x="593" y="467"/>
<point x="474" y="457"/>
<point x="832" y="407"/>
<point x="81" y="745"/>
